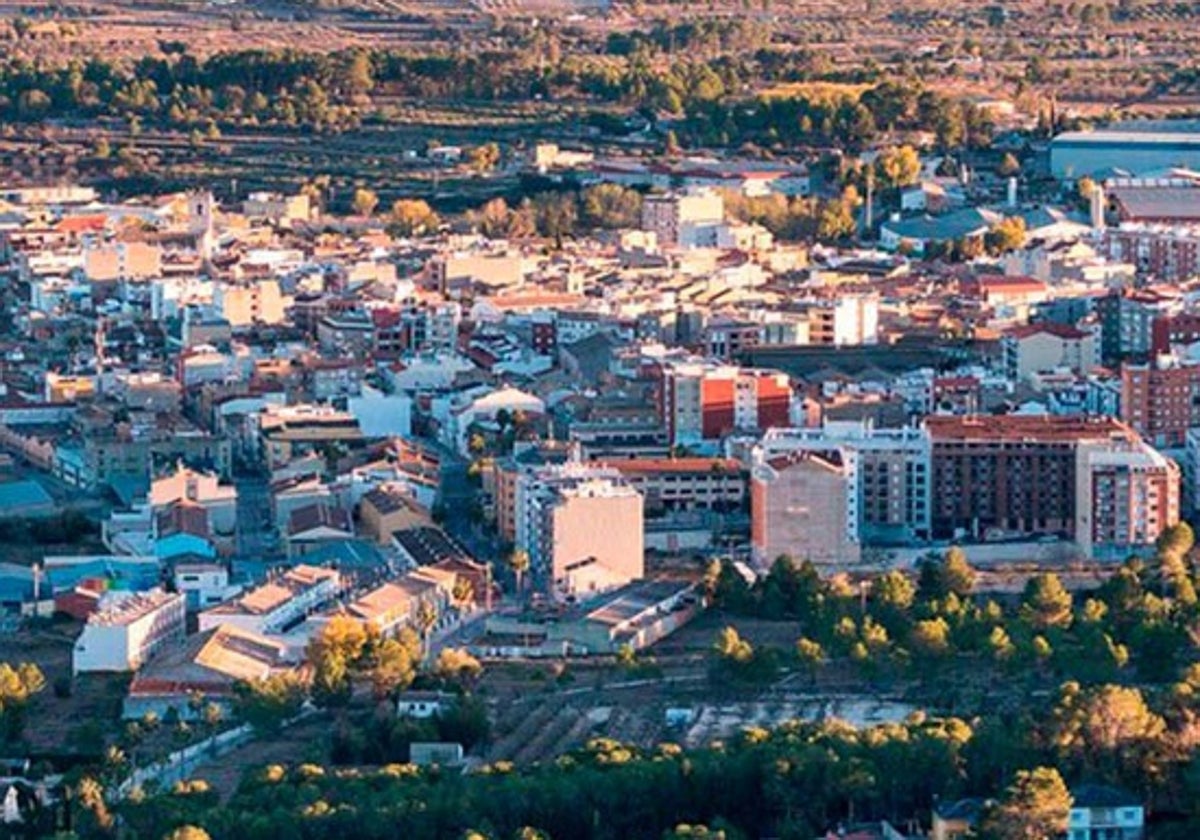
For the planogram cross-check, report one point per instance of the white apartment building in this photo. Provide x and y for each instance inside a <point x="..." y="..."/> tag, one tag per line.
<point x="846" y="320"/>
<point x="204" y="585"/>
<point x="277" y="604"/>
<point x="127" y="630"/>
<point x="1126" y="495"/>
<point x="889" y="470"/>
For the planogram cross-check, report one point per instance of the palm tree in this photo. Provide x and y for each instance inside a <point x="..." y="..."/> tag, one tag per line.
<point x="518" y="561"/>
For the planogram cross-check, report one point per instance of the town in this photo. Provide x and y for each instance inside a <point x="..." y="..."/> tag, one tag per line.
<point x="824" y="467"/>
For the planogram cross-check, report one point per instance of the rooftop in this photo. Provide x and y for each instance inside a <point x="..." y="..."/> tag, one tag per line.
<point x="129" y="608"/>
<point x="1025" y="428"/>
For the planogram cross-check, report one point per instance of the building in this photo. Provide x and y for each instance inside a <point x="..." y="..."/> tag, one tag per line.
<point x="1075" y="154"/>
<point x="204" y="585"/>
<point x="1100" y="812"/>
<point x="686" y="484"/>
<point x="204" y="669"/>
<point x="278" y="604"/>
<point x="1161" y="400"/>
<point x="390" y="508"/>
<point x="1126" y="495"/>
<point x="687" y="220"/>
<point x="253" y="302"/>
<point x="1003" y="476"/>
<point x="890" y="470"/>
<point x="804" y="504"/>
<point x="706" y="401"/>
<point x="847" y="319"/>
<point x="1046" y="347"/>
<point x="582" y="527"/>
<point x="1127" y="320"/>
<point x="203" y="489"/>
<point x="127" y="630"/>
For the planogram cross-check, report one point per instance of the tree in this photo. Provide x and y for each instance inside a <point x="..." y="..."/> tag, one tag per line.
<point x="457" y="665"/>
<point x="895" y="590"/>
<point x="365" y="201"/>
<point x="951" y="574"/>
<point x="1099" y="726"/>
<point x="1008" y="166"/>
<point x="412" y="217"/>
<point x="930" y="638"/>
<point x="427" y="618"/>
<point x="393" y="663"/>
<point x="1046" y="602"/>
<point x="731" y="646"/>
<point x="811" y="656"/>
<point x="1037" y="805"/>
<point x="187" y="832"/>
<point x="484" y="158"/>
<point x="518" y="561"/>
<point x="333" y="653"/>
<point x="898" y="166"/>
<point x="1006" y="235"/>
<point x="265" y="704"/>
<point x="612" y="206"/>
<point x="17" y="685"/>
<point x="1178" y="540"/>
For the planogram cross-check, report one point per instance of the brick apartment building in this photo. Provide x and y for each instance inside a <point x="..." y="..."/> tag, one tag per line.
<point x="1161" y="400"/>
<point x="996" y="475"/>
<point x="701" y="401"/>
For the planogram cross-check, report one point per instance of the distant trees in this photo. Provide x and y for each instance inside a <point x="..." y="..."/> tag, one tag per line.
<point x="611" y="206"/>
<point x="1036" y="805"/>
<point x="365" y="201"/>
<point x="411" y="217"/>
<point x="268" y="703"/>
<point x="17" y="686"/>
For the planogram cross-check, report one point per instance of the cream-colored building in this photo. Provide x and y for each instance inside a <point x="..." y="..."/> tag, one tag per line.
<point x="1044" y="347"/>
<point x="122" y="261"/>
<point x="276" y="207"/>
<point x="127" y="630"/>
<point x="1126" y="495"/>
<point x="199" y="488"/>
<point x="583" y="528"/>
<point x="805" y="504"/>
<point x="254" y="302"/>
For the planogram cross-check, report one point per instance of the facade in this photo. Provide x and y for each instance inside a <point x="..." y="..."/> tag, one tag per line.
<point x="1099" y="812"/>
<point x="890" y="469"/>
<point x="1045" y="347"/>
<point x="1010" y="475"/>
<point x="703" y="401"/>
<point x="1126" y="495"/>
<point x="849" y="319"/>
<point x="1167" y="253"/>
<point x="686" y="484"/>
<point x="254" y="302"/>
<point x="277" y="604"/>
<point x="582" y="527"/>
<point x="199" y="488"/>
<point x="805" y="504"/>
<point x="125" y="632"/>
<point x="686" y="220"/>
<point x="1127" y="322"/>
<point x="1161" y="400"/>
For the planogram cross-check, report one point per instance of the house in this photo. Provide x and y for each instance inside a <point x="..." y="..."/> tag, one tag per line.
<point x="390" y="508"/>
<point x="278" y="604"/>
<point x="204" y="584"/>
<point x="956" y="820"/>
<point x="1100" y="812"/>
<point x="204" y="669"/>
<point x="314" y="525"/>
<point x="422" y="704"/>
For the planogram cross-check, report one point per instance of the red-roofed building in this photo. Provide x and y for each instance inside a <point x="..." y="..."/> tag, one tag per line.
<point x="1043" y="347"/>
<point x="1003" y="290"/>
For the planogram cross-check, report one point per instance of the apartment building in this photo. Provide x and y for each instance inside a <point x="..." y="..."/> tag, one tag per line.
<point x="890" y="470"/>
<point x="1035" y="348"/>
<point x="1161" y="399"/>
<point x="198" y="488"/>
<point x="127" y="630"/>
<point x="1126" y="495"/>
<point x="1127" y="321"/>
<point x="1010" y="475"/>
<point x="687" y="220"/>
<point x="705" y="401"/>
<point x="582" y="526"/>
<point x="279" y="603"/>
<point x="686" y="484"/>
<point x="252" y="302"/>
<point x="804" y="504"/>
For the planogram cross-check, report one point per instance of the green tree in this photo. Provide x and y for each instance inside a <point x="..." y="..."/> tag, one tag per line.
<point x="187" y="832"/>
<point x="1046" y="603"/>
<point x="612" y="206"/>
<point x="1036" y="806"/>
<point x="731" y="646"/>
<point x="898" y="166"/>
<point x="811" y="656"/>
<point x="1006" y="235"/>
<point x="267" y="703"/>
